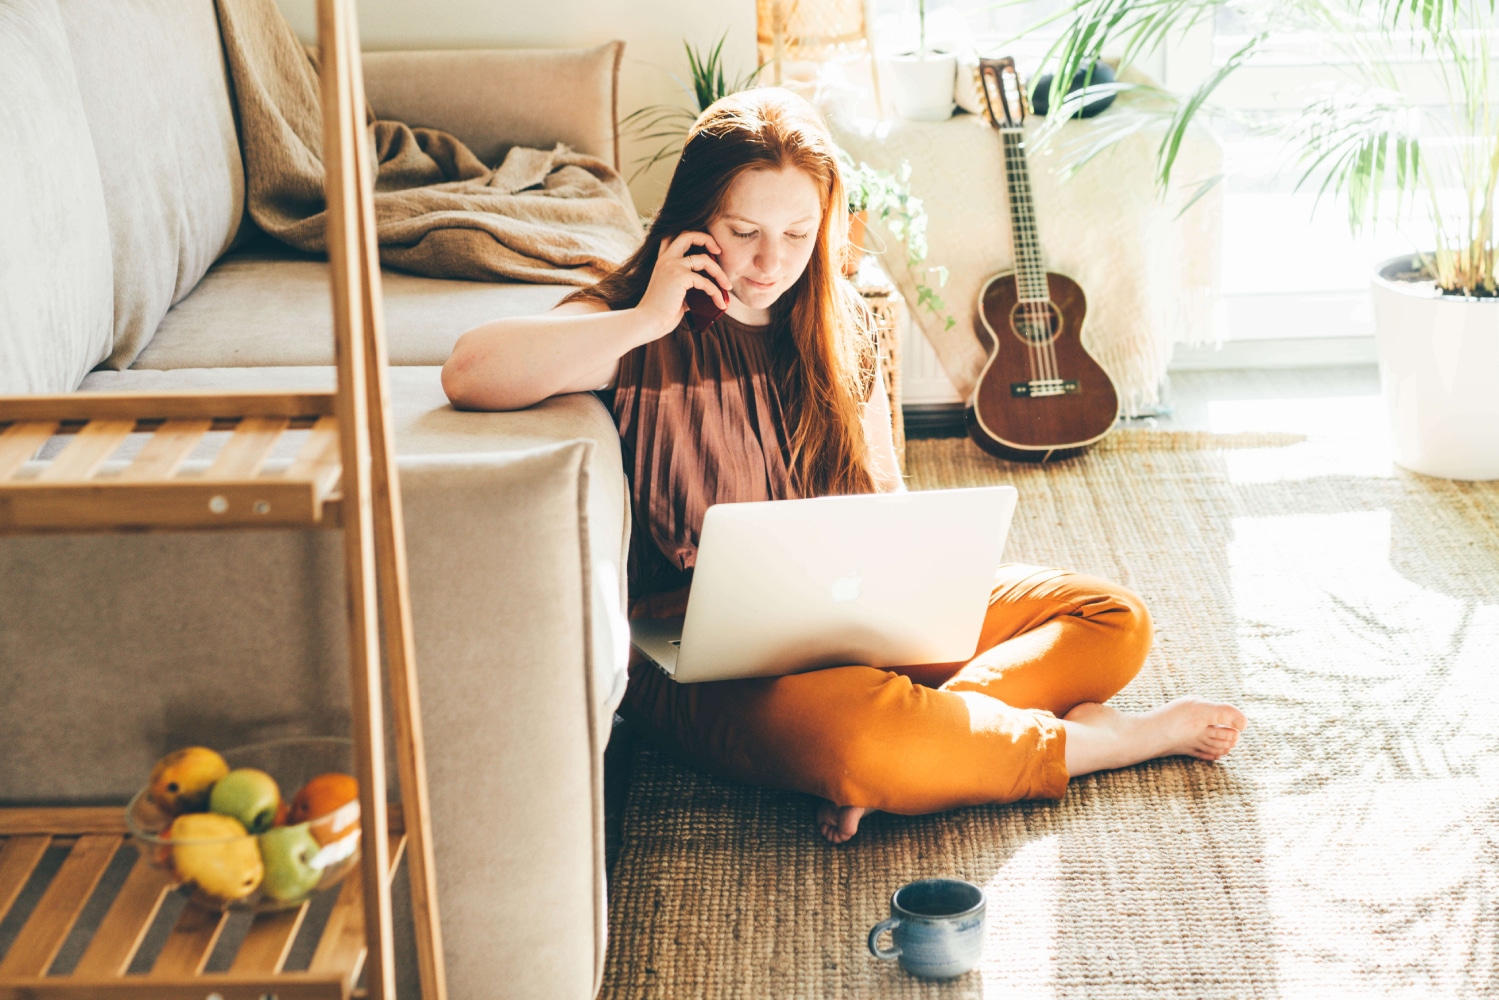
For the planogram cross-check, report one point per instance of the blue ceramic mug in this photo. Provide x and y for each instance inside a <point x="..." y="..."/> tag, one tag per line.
<point x="936" y="928"/>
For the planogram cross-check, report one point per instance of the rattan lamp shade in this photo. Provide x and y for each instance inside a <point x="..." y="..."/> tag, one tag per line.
<point x="811" y="30"/>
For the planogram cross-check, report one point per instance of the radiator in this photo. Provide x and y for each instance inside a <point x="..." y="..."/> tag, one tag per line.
<point x="923" y="382"/>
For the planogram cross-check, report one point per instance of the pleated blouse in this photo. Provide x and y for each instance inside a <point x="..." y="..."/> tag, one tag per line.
<point x="700" y="422"/>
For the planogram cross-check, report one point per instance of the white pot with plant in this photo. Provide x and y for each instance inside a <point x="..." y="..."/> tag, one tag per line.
<point x="1436" y="309"/>
<point x="1439" y="368"/>
<point x="923" y="81"/>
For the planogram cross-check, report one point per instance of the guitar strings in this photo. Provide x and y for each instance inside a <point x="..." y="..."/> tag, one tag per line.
<point x="1036" y="313"/>
<point x="1024" y="312"/>
<point x="1035" y="350"/>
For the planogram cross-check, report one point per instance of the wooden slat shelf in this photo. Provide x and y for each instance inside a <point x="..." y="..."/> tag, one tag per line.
<point x="155" y="405"/>
<point x="93" y="837"/>
<point x="68" y="494"/>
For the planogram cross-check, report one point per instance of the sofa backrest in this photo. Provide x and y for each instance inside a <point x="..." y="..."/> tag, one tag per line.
<point x="155" y="90"/>
<point x="493" y="99"/>
<point x="56" y="320"/>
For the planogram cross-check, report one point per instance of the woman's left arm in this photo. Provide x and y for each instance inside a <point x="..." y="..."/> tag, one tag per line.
<point x="879" y="438"/>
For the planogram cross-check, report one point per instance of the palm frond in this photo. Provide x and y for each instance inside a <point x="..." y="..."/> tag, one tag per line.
<point x="1203" y="187"/>
<point x="1177" y="129"/>
<point x="1350" y="140"/>
<point x="674" y="121"/>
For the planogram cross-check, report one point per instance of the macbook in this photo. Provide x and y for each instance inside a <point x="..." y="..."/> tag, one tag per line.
<point x="882" y="580"/>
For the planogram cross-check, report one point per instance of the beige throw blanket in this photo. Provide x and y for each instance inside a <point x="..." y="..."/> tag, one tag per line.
<point x="548" y="216"/>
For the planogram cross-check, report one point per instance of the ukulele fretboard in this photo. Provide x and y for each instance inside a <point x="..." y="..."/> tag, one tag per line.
<point x="1030" y="272"/>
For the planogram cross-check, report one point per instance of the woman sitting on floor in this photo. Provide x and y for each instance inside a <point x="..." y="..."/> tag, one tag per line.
<point x="780" y="398"/>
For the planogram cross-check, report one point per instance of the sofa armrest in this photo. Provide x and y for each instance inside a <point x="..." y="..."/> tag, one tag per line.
<point x="493" y="99"/>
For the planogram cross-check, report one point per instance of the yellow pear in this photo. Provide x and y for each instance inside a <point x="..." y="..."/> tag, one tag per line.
<point x="226" y="869"/>
<point x="181" y="781"/>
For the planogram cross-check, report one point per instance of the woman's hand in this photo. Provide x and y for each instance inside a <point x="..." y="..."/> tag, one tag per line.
<point x="676" y="271"/>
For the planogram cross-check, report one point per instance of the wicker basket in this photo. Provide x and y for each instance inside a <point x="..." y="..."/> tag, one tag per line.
<point x="886" y="303"/>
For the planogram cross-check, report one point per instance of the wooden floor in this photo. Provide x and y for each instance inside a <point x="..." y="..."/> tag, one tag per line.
<point x="1291" y="399"/>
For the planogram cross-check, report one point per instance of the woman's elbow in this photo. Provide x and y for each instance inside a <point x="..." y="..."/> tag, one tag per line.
<point x="470" y="387"/>
<point x="455" y="377"/>
<point x="463" y="381"/>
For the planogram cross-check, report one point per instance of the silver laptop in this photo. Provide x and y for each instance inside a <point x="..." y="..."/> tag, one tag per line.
<point x="882" y="580"/>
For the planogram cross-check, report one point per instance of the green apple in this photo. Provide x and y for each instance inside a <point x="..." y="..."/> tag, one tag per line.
<point x="288" y="853"/>
<point x="249" y="795"/>
<point x="214" y="853"/>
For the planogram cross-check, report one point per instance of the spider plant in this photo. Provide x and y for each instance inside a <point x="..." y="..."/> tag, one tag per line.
<point x="670" y="122"/>
<point x="1356" y="141"/>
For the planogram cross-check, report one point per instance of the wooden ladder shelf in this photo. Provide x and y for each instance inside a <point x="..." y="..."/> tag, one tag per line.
<point x="341" y="477"/>
<point x="75" y="492"/>
<point x="94" y="837"/>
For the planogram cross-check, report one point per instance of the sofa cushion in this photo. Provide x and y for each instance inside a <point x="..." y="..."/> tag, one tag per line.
<point x="261" y="308"/>
<point x="55" y="285"/>
<point x="508" y="97"/>
<point x="156" y="93"/>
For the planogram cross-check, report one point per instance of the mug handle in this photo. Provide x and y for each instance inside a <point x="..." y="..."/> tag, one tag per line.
<point x="888" y="924"/>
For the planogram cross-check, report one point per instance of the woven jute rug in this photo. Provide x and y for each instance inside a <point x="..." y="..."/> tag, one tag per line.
<point x="1348" y="848"/>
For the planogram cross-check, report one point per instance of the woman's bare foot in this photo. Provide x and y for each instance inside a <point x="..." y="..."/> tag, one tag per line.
<point x="839" y="823"/>
<point x="1101" y="738"/>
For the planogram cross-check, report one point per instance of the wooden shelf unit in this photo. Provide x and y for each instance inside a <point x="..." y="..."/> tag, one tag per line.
<point x="73" y="492"/>
<point x="94" y="837"/>
<point x="342" y="478"/>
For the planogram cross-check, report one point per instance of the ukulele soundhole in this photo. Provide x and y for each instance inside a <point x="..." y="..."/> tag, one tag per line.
<point x="1035" y="322"/>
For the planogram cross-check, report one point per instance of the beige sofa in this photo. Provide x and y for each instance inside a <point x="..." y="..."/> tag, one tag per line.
<point x="127" y="263"/>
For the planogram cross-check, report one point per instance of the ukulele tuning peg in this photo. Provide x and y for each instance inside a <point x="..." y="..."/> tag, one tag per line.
<point x="1004" y="98"/>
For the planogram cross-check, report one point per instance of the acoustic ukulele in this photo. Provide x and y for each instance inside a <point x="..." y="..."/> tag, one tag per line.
<point x="1041" y="396"/>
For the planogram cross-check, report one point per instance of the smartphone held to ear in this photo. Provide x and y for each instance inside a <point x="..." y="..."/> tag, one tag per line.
<point x="702" y="309"/>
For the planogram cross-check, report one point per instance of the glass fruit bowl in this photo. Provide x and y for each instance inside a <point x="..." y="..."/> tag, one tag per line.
<point x="278" y="868"/>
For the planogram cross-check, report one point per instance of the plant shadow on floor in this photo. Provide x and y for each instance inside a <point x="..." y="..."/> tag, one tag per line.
<point x="1350" y="615"/>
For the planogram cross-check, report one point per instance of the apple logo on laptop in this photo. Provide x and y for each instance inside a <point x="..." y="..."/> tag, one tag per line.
<point x="846" y="588"/>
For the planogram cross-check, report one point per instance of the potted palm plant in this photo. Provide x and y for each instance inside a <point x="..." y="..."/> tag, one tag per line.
<point x="1436" y="308"/>
<point x="670" y="122"/>
<point x="924" y="79"/>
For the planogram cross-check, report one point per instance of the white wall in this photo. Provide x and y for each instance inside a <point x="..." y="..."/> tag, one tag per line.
<point x="653" y="32"/>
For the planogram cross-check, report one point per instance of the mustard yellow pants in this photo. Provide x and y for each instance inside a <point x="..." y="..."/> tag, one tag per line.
<point x="914" y="739"/>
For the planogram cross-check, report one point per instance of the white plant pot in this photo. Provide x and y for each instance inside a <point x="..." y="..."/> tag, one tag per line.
<point x="1439" y="368"/>
<point x="923" y="86"/>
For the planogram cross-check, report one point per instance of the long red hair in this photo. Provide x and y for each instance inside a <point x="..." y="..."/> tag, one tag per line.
<point x="823" y="382"/>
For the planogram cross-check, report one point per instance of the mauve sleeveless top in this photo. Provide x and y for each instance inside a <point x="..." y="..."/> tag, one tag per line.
<point x="700" y="422"/>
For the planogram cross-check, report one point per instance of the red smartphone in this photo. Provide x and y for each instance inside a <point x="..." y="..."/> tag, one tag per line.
<point x="702" y="308"/>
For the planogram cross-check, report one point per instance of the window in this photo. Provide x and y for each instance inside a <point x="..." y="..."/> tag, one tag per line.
<point x="1288" y="273"/>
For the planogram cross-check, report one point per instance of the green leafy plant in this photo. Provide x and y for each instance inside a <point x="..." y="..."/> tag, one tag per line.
<point x="888" y="198"/>
<point x="671" y="121"/>
<point x="1356" y="141"/>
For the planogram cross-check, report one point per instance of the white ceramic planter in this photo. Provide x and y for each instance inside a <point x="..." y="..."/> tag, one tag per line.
<point x="1439" y="368"/>
<point x="923" y="86"/>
